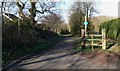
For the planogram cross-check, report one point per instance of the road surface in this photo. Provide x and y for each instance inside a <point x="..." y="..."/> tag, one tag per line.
<point x="60" y="57"/>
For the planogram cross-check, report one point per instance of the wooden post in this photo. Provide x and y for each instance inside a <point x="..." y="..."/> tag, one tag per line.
<point x="85" y="18"/>
<point x="83" y="37"/>
<point x="92" y="41"/>
<point x="85" y="26"/>
<point x="103" y="39"/>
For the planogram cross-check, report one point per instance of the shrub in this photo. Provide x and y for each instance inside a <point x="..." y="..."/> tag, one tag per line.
<point x="112" y="28"/>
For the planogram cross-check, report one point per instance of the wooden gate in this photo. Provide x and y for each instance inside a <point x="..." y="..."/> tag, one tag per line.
<point x="92" y="38"/>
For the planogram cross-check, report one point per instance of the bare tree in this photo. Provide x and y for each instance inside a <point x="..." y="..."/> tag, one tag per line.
<point x="52" y="22"/>
<point x="85" y="8"/>
<point x="30" y="9"/>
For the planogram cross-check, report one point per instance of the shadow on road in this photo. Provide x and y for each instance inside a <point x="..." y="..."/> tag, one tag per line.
<point x="47" y="59"/>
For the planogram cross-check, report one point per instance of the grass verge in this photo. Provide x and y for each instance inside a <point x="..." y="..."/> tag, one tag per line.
<point x="11" y="55"/>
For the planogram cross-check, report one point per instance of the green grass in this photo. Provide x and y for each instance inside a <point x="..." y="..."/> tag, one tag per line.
<point x="86" y="49"/>
<point x="110" y="47"/>
<point x="78" y="47"/>
<point x="11" y="55"/>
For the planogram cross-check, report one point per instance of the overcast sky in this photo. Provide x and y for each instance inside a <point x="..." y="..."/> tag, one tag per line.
<point x="107" y="7"/>
<point x="104" y="7"/>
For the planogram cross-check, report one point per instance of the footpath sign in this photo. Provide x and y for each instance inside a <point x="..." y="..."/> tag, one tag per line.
<point x="85" y="23"/>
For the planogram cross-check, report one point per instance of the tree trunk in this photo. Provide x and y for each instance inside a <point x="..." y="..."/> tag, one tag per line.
<point x="33" y="14"/>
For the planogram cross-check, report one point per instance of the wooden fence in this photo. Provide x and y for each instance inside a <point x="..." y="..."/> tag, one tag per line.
<point x="101" y="39"/>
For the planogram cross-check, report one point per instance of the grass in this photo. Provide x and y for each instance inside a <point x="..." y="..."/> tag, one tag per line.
<point x="115" y="48"/>
<point x="86" y="49"/>
<point x="19" y="43"/>
<point x="10" y="56"/>
<point x="78" y="47"/>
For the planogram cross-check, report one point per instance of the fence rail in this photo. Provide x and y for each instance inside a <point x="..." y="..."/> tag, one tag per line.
<point x="92" y="39"/>
<point x="94" y="35"/>
<point x="93" y="44"/>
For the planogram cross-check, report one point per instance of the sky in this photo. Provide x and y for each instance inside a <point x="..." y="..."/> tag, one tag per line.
<point x="107" y="7"/>
<point x="104" y="7"/>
